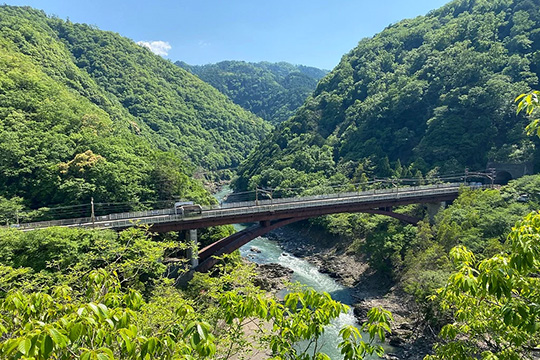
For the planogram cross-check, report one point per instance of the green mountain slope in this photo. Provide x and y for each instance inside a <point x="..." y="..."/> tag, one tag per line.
<point x="86" y="113"/>
<point x="272" y="91"/>
<point x="432" y="92"/>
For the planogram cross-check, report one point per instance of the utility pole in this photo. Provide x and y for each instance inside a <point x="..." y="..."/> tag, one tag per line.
<point x="92" y="215"/>
<point x="17" y="216"/>
<point x="266" y="192"/>
<point x="466" y="174"/>
<point x="256" y="196"/>
<point x="491" y="176"/>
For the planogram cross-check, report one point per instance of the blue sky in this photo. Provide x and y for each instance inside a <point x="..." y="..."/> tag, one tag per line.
<point x="315" y="32"/>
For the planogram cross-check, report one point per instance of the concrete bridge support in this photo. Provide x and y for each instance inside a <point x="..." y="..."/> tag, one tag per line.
<point x="193" y="249"/>
<point x="433" y="209"/>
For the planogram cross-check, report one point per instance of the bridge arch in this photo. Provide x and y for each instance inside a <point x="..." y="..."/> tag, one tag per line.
<point x="237" y="240"/>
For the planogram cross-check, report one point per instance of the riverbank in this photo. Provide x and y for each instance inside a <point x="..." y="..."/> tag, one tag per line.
<point x="369" y="288"/>
<point x="341" y="268"/>
<point x="216" y="186"/>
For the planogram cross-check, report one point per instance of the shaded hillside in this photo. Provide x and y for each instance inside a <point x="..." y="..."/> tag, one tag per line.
<point x="86" y="113"/>
<point x="272" y="91"/>
<point x="184" y="112"/>
<point x="431" y="92"/>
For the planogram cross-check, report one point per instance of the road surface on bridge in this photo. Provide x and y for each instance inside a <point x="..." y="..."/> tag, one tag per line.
<point x="163" y="220"/>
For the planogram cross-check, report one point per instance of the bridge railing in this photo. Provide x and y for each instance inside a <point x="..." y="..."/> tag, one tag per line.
<point x="336" y="195"/>
<point x="118" y="220"/>
<point x="317" y="200"/>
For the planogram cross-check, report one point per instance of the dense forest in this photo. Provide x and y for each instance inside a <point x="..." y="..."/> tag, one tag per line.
<point x="430" y="96"/>
<point x="434" y="92"/>
<point x="86" y="294"/>
<point x="272" y="91"/>
<point x="87" y="113"/>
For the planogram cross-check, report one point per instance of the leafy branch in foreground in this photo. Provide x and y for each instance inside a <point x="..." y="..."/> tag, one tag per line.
<point x="107" y="322"/>
<point x="530" y="104"/>
<point x="99" y="325"/>
<point x="495" y="302"/>
<point x="353" y="347"/>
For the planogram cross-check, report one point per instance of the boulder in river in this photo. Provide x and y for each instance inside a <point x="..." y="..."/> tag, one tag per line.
<point x="272" y="276"/>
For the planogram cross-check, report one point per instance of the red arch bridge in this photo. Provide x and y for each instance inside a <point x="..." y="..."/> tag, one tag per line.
<point x="266" y="214"/>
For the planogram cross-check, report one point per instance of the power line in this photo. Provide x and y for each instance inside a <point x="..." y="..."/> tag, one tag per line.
<point x="103" y="208"/>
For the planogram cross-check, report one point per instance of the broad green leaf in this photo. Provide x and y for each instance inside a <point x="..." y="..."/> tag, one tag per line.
<point x="24" y="346"/>
<point x="46" y="346"/>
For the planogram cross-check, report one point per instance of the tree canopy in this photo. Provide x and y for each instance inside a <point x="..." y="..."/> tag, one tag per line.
<point x="87" y="113"/>
<point x="272" y="91"/>
<point x="434" y="92"/>
<point x="86" y="294"/>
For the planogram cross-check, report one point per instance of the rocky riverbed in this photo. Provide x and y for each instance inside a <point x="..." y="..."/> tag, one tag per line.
<point x="370" y="289"/>
<point x="272" y="277"/>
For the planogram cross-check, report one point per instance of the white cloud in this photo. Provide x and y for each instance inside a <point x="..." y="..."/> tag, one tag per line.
<point x="203" y="44"/>
<point x="157" y="47"/>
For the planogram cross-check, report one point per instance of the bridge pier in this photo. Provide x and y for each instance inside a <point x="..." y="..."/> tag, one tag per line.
<point x="433" y="209"/>
<point x="193" y="249"/>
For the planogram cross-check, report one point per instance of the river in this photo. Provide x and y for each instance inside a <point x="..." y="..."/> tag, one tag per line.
<point x="305" y="273"/>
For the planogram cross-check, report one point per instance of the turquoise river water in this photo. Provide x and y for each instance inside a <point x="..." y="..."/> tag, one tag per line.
<point x="306" y="274"/>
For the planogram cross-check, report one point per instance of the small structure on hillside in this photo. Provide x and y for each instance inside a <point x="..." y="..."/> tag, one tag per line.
<point x="504" y="172"/>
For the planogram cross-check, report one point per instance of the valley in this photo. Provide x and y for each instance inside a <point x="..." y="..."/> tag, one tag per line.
<point x="156" y="209"/>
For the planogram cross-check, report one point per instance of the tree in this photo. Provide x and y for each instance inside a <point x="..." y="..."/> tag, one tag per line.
<point x="530" y="104"/>
<point x="9" y="209"/>
<point x="86" y="294"/>
<point x="99" y="319"/>
<point x="494" y="301"/>
<point x="102" y="324"/>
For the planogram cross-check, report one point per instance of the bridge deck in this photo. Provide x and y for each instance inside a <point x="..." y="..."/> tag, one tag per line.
<point x="240" y="212"/>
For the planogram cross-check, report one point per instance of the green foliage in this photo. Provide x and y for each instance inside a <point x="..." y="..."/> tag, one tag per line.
<point x="477" y="216"/>
<point x="105" y="324"/>
<point x="9" y="209"/>
<point x="434" y="91"/>
<point x="86" y="113"/>
<point x="178" y="110"/>
<point x="529" y="103"/>
<point x="293" y="326"/>
<point x="386" y="244"/>
<point x="378" y="324"/>
<point x="62" y="254"/>
<point x="92" y="309"/>
<point x="271" y="91"/>
<point x="417" y="258"/>
<point x="494" y="301"/>
<point x="211" y="234"/>
<point x="303" y="316"/>
<point x="524" y="189"/>
<point x="479" y="220"/>
<point x="102" y="324"/>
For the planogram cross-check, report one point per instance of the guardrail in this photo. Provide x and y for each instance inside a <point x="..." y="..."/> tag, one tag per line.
<point x="120" y="220"/>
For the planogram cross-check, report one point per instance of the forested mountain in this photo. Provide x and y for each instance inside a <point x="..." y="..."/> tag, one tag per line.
<point x="434" y="92"/>
<point x="84" y="112"/>
<point x="273" y="91"/>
